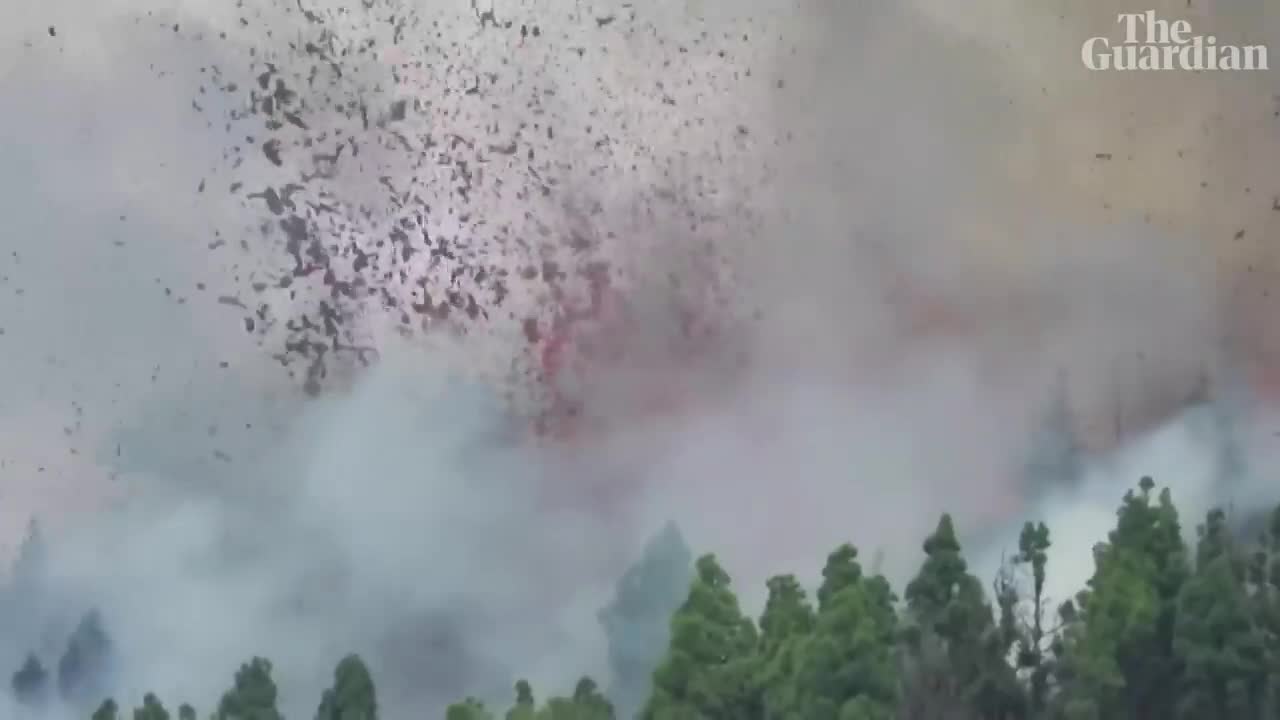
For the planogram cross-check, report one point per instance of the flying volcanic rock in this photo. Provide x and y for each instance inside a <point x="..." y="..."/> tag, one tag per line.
<point x="476" y="174"/>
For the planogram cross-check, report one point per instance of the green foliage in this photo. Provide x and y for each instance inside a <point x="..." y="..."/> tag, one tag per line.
<point x="108" y="710"/>
<point x="956" y="651"/>
<point x="152" y="709"/>
<point x="525" y="707"/>
<point x="1118" y="655"/>
<point x="846" y="667"/>
<point x="637" y="621"/>
<point x="468" y="709"/>
<point x="353" y="696"/>
<point x="1159" y="633"/>
<point x="30" y="683"/>
<point x="1216" y="637"/>
<point x="33" y="557"/>
<point x="786" y="626"/>
<point x="707" y="669"/>
<point x="254" y="695"/>
<point x="83" y="663"/>
<point x="586" y="703"/>
<point x="1033" y="552"/>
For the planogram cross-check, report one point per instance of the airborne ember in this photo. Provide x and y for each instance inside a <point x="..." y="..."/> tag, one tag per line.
<point x="394" y="215"/>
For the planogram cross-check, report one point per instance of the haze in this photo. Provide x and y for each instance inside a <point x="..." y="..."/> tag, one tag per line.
<point x="931" y="222"/>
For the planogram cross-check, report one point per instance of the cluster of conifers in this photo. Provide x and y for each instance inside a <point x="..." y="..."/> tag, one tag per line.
<point x="1165" y="629"/>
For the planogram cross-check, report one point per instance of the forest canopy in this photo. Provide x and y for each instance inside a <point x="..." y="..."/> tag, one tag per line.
<point x="1165" y="628"/>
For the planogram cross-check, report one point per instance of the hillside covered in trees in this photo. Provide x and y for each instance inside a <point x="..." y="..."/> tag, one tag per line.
<point x="1165" y="628"/>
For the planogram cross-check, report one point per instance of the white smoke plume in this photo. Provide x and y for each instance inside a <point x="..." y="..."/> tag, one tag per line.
<point x="926" y="218"/>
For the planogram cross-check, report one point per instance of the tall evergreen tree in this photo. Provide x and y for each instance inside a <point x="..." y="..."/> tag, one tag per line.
<point x="708" y="668"/>
<point x="586" y="703"/>
<point x="525" y="706"/>
<point x="785" y="627"/>
<point x="353" y="696"/>
<point x="152" y="709"/>
<point x="956" y="651"/>
<point x="1118" y="659"/>
<point x="468" y="709"/>
<point x="847" y="670"/>
<point x="1033" y="553"/>
<point x="83" y="667"/>
<point x="30" y="683"/>
<point x="637" y="622"/>
<point x="1263" y="579"/>
<point x="33" y="557"/>
<point x="1221" y="647"/>
<point x="108" y="710"/>
<point x="253" y="696"/>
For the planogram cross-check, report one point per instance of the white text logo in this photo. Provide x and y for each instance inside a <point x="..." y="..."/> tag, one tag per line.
<point x="1152" y="43"/>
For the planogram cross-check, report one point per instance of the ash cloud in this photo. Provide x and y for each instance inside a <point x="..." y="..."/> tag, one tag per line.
<point x="851" y="249"/>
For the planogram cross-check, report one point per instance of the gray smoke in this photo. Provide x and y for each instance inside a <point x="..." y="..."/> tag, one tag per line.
<point x="930" y="216"/>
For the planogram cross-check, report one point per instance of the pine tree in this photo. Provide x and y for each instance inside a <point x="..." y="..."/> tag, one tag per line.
<point x="586" y="703"/>
<point x="1219" y="644"/>
<point x="31" y="682"/>
<point x="1117" y="657"/>
<point x="1263" y="580"/>
<point x="253" y="696"/>
<point x="785" y="627"/>
<point x="83" y="666"/>
<point x="468" y="709"/>
<point x="525" y="706"/>
<point x="957" y="651"/>
<point x="708" y="668"/>
<point x="33" y="558"/>
<point x="108" y="710"/>
<point x="1033" y="552"/>
<point x="353" y="695"/>
<point x="152" y="709"/>
<point x="847" y="667"/>
<point x="637" y="621"/>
